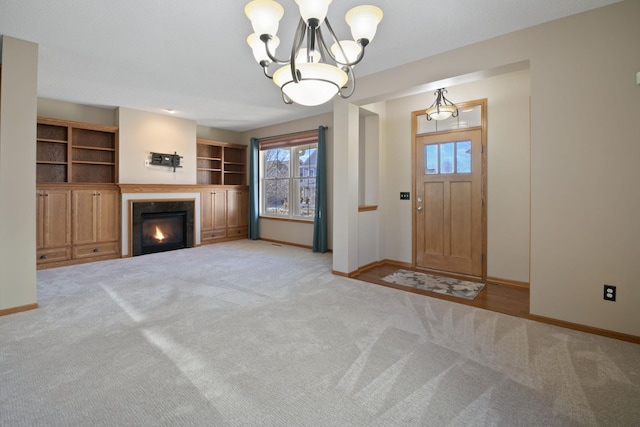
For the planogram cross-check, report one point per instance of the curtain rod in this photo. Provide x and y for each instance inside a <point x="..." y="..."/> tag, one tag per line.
<point x="285" y="135"/>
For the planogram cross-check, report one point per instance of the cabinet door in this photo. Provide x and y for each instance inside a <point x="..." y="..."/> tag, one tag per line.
<point x="53" y="219"/>
<point x="107" y="211"/>
<point x="238" y="208"/>
<point x="213" y="209"/>
<point x="85" y="227"/>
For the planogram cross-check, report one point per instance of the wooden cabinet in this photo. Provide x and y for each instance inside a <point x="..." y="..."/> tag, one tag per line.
<point x="78" y="204"/>
<point x="53" y="225"/>
<point x="221" y="163"/>
<point x="96" y="215"/>
<point x="77" y="224"/>
<point x="213" y="214"/>
<point x="223" y="213"/>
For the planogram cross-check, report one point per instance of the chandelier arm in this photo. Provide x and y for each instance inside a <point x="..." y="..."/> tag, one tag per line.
<point x="265" y="70"/>
<point x="265" y="38"/>
<point x="362" y="44"/>
<point x="353" y="87"/>
<point x="298" y="38"/>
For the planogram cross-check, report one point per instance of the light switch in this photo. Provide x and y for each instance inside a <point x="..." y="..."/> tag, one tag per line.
<point x="405" y="195"/>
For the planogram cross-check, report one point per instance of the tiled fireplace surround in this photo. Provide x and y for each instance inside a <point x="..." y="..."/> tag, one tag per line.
<point x="147" y="193"/>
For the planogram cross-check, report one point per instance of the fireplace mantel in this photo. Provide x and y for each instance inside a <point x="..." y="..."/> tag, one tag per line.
<point x="156" y="192"/>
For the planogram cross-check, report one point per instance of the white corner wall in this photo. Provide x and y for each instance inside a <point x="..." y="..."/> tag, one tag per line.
<point x="18" y="107"/>
<point x="141" y="133"/>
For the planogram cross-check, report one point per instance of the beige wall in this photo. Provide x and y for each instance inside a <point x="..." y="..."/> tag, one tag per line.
<point x="205" y="132"/>
<point x="18" y="106"/>
<point x="142" y="133"/>
<point x="288" y="231"/>
<point x="63" y="110"/>
<point x="584" y="174"/>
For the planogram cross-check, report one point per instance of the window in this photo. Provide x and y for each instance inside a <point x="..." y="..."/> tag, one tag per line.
<point x="287" y="178"/>
<point x="448" y="157"/>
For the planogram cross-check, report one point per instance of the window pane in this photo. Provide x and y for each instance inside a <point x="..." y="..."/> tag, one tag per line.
<point x="463" y="157"/>
<point x="276" y="163"/>
<point x="447" y="158"/>
<point x="431" y="159"/>
<point x="307" y="157"/>
<point x="276" y="196"/>
<point x="305" y="189"/>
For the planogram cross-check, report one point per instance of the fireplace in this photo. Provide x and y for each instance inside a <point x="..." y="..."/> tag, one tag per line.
<point x="159" y="226"/>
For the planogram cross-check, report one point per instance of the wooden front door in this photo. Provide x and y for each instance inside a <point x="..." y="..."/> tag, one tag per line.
<point x="448" y="202"/>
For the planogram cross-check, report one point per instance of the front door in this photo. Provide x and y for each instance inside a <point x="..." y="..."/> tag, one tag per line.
<point x="449" y="202"/>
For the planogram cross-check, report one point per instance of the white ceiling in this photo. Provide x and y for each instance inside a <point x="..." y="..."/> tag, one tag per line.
<point x="192" y="56"/>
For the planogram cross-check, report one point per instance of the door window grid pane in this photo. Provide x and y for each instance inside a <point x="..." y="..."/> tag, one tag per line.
<point x="447" y="158"/>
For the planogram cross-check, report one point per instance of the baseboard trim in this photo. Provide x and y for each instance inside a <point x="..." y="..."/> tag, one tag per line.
<point x="281" y="242"/>
<point x="507" y="282"/>
<point x="370" y="266"/>
<point x="583" y="328"/>
<point x="298" y="245"/>
<point x="19" y="309"/>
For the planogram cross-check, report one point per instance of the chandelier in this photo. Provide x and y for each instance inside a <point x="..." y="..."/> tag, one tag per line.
<point x="314" y="72"/>
<point x="442" y="108"/>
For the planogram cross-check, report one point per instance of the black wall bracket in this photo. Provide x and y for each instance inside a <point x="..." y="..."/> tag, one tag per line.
<point x="169" y="160"/>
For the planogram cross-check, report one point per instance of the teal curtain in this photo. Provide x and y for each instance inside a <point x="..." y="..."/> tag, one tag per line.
<point x="253" y="190"/>
<point x="320" y="219"/>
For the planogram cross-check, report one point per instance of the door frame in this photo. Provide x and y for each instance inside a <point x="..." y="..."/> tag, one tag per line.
<point x="483" y="185"/>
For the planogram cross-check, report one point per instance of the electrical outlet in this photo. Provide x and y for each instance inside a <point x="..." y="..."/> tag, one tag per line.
<point x="609" y="293"/>
<point x="405" y="195"/>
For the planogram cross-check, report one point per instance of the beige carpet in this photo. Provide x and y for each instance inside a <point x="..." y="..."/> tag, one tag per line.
<point x="248" y="333"/>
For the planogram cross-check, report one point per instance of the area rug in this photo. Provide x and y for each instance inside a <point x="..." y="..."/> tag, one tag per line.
<point x="439" y="284"/>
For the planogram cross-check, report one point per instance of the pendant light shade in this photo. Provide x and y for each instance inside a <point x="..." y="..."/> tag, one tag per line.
<point x="265" y="16"/>
<point x="364" y="21"/>
<point x="313" y="9"/>
<point x="257" y="47"/>
<point x="318" y="83"/>
<point x="350" y="48"/>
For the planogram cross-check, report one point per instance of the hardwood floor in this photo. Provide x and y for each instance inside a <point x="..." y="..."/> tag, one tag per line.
<point x="505" y="299"/>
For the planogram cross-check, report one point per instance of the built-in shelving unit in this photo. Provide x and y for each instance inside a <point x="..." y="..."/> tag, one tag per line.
<point x="75" y="152"/>
<point x="221" y="163"/>
<point x="77" y="201"/>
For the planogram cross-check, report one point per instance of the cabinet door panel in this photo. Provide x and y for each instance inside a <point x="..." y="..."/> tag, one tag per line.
<point x="84" y="216"/>
<point x="237" y="210"/>
<point x="219" y="209"/>
<point x="56" y="224"/>
<point x="213" y="209"/>
<point x="108" y="213"/>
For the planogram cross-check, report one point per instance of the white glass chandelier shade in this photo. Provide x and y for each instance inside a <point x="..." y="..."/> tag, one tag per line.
<point x="257" y="47"/>
<point x="318" y="84"/>
<point x="364" y="21"/>
<point x="445" y="112"/>
<point x="351" y="50"/>
<point x="313" y="9"/>
<point x="264" y="15"/>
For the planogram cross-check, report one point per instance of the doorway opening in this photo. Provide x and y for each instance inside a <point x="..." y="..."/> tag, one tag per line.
<point x="449" y="216"/>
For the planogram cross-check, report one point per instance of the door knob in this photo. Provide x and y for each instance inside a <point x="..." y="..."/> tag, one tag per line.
<point x="419" y="208"/>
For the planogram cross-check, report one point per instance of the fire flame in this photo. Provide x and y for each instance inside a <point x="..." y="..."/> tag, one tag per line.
<point x="159" y="236"/>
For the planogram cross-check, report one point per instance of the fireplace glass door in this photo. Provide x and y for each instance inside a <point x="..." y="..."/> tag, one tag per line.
<point x="163" y="231"/>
